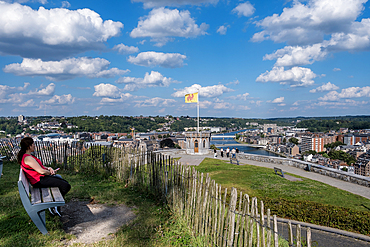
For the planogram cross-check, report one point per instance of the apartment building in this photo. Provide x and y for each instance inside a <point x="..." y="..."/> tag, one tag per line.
<point x="312" y="142"/>
<point x="362" y="165"/>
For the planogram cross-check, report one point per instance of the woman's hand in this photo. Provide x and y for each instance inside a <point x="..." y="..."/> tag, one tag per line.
<point x="51" y="170"/>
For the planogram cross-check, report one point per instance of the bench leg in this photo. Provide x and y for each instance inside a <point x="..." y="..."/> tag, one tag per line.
<point x="39" y="219"/>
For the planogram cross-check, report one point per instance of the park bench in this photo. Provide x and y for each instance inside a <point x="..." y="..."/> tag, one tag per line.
<point x="278" y="170"/>
<point x="232" y="160"/>
<point x="36" y="200"/>
<point x="1" y="164"/>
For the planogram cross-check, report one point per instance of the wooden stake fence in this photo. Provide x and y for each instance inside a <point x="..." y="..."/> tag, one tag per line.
<point x="219" y="217"/>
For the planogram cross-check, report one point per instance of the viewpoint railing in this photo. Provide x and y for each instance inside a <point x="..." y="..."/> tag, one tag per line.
<point x="219" y="217"/>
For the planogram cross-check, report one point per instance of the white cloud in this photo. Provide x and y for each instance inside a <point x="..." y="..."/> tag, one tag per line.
<point x="336" y="69"/>
<point x="236" y="82"/>
<point x="244" y="9"/>
<point x="28" y="103"/>
<point x="258" y="102"/>
<point x="244" y="107"/>
<point x="240" y="96"/>
<point x="52" y="34"/>
<point x="304" y="24"/>
<point x="65" y="69"/>
<point x="297" y="55"/>
<point x="326" y="87"/>
<point x="124" y="49"/>
<point x="341" y="105"/>
<point x="66" y="4"/>
<point x="154" y="79"/>
<point x="209" y="91"/>
<point x="278" y="100"/>
<point x="6" y="90"/>
<point x="296" y="76"/>
<point x="47" y="91"/>
<point x="151" y="59"/>
<point x="123" y="97"/>
<point x="107" y="90"/>
<point x="223" y="105"/>
<point x="162" y="3"/>
<point x="60" y="100"/>
<point x="351" y="92"/>
<point x="161" y="24"/>
<point x="223" y="29"/>
<point x="157" y="102"/>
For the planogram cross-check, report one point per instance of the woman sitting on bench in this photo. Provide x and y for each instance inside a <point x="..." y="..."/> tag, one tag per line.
<point x="39" y="175"/>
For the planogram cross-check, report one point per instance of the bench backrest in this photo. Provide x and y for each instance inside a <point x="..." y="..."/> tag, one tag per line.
<point x="25" y="182"/>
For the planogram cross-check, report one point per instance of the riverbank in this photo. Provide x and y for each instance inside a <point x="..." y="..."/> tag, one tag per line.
<point x="249" y="145"/>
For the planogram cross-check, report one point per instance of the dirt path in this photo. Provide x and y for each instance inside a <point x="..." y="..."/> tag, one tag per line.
<point x="91" y="222"/>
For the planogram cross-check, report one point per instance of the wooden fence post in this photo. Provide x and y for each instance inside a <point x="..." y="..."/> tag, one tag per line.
<point x="232" y="209"/>
<point x="276" y="237"/>
<point x="308" y="237"/>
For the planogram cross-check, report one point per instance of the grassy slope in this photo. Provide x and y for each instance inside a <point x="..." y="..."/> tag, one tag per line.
<point x="262" y="182"/>
<point x="154" y="225"/>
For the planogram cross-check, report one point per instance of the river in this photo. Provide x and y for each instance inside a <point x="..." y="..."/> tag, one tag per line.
<point x="242" y="148"/>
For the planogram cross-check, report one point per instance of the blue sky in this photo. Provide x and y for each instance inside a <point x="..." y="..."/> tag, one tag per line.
<point x="250" y="59"/>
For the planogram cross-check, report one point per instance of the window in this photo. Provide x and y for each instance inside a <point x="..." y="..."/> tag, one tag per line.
<point x="204" y="143"/>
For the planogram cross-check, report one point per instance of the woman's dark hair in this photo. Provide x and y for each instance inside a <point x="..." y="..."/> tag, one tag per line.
<point x="25" y="144"/>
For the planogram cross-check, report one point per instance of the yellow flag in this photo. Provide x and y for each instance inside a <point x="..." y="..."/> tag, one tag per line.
<point x="191" y="98"/>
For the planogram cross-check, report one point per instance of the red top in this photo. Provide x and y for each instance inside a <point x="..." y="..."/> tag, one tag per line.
<point x="32" y="175"/>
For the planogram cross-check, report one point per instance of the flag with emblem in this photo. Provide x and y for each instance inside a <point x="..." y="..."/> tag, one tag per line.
<point x="191" y="98"/>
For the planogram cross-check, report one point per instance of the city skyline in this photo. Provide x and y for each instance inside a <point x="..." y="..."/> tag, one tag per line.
<point x="249" y="59"/>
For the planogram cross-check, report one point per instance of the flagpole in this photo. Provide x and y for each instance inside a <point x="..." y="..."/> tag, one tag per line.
<point x="198" y="110"/>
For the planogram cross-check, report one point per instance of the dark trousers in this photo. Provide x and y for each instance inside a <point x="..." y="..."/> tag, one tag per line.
<point x="54" y="181"/>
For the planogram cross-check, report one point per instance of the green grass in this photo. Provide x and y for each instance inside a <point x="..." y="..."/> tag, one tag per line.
<point x="306" y="200"/>
<point x="263" y="182"/>
<point x="153" y="226"/>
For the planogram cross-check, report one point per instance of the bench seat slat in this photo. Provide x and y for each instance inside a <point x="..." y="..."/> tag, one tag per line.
<point x="56" y="194"/>
<point x="35" y="196"/>
<point x="46" y="195"/>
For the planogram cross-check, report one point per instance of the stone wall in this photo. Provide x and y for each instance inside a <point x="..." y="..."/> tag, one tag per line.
<point x="331" y="172"/>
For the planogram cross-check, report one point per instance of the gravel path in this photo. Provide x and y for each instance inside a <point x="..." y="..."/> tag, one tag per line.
<point x="91" y="222"/>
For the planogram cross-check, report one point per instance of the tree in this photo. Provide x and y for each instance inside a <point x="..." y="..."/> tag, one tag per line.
<point x="293" y="140"/>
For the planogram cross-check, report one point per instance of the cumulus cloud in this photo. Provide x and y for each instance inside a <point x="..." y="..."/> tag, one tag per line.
<point x="154" y="79"/>
<point x="304" y="24"/>
<point x="148" y="4"/>
<point x="223" y="29"/>
<point x="336" y="69"/>
<point x="278" y="100"/>
<point x="244" y="9"/>
<point x="296" y="76"/>
<point x="65" y="69"/>
<point x="47" y="91"/>
<point x="209" y="91"/>
<point x="158" y="102"/>
<point x="6" y="90"/>
<point x="326" y="87"/>
<point x="162" y="24"/>
<point x="297" y="55"/>
<point x="124" y="49"/>
<point x="151" y="59"/>
<point x="52" y="34"/>
<point x="107" y="90"/>
<point x="351" y="92"/>
<point x="28" y="103"/>
<point x="65" y="99"/>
